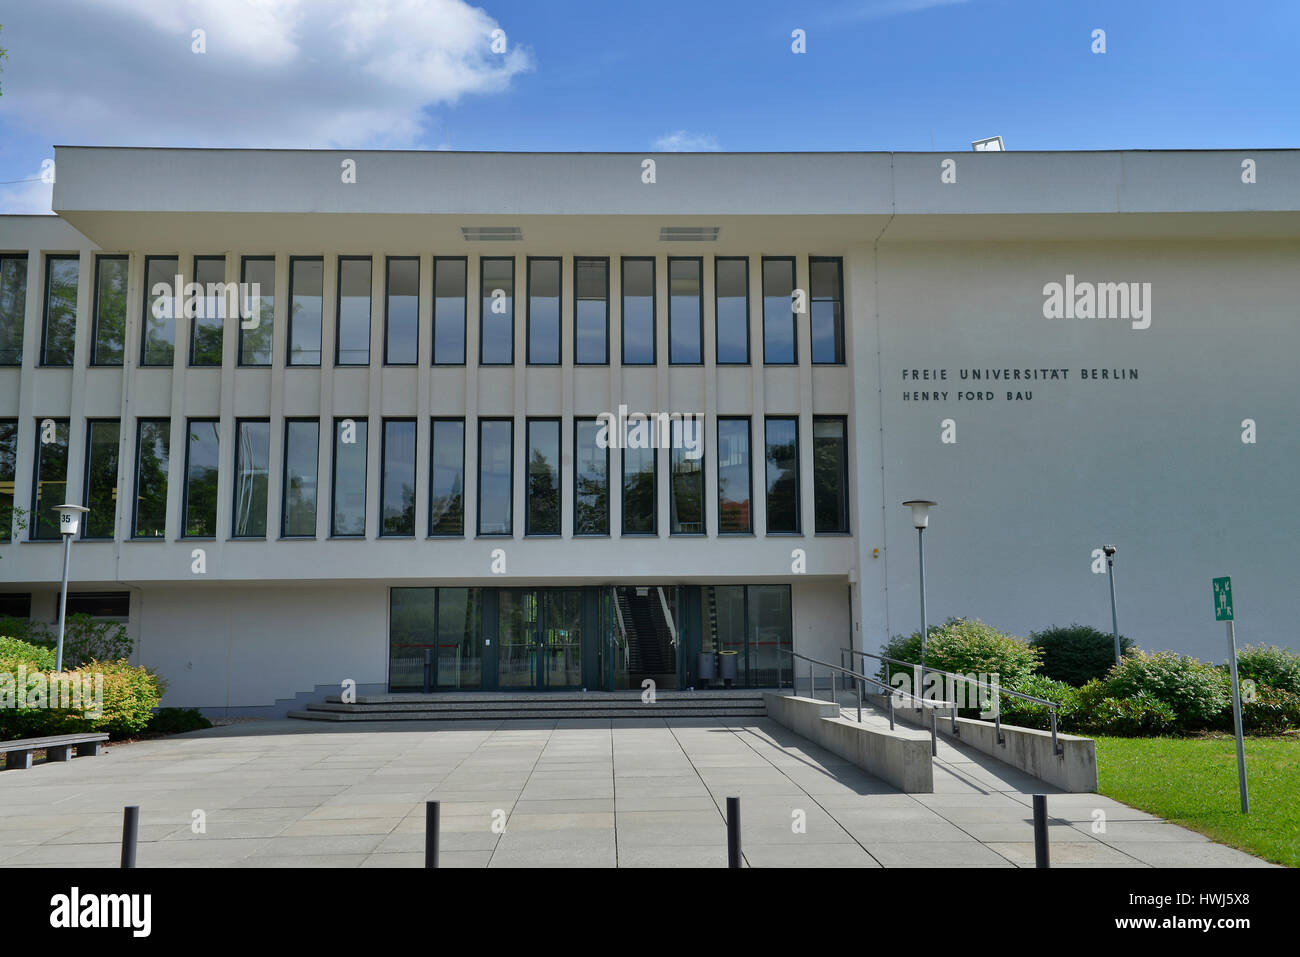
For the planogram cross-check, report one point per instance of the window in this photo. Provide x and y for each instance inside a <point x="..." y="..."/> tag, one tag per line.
<point x="543" y="516"/>
<point x="50" y="482"/>
<point x="258" y="304"/>
<point x="353" y="345"/>
<point x="639" y="499"/>
<point x="402" y="311"/>
<point x="735" y="476"/>
<point x="827" y="281"/>
<point x="110" y="311"/>
<point x="543" y="311"/>
<point x="831" y="473"/>
<point x="103" y="439"/>
<point x="778" y="311"/>
<point x="349" y="518"/>
<point x="755" y="622"/>
<point x="447" y="478"/>
<point x="443" y="626"/>
<point x="496" y="476"/>
<point x="301" y="448"/>
<point x="100" y="604"/>
<point x="496" y="343"/>
<point x="686" y="463"/>
<point x="252" y="477"/>
<point x="16" y="604"/>
<point x="306" y="291"/>
<point x="13" y="308"/>
<point x="59" y="332"/>
<point x="782" y="457"/>
<point x="685" y="311"/>
<point x="590" y="311"/>
<point x="731" y="288"/>
<point x="590" y="478"/>
<point x="449" y="310"/>
<point x="397" y="483"/>
<point x="207" y="331"/>
<point x="158" y="327"/>
<point x="8" y="476"/>
<point x="638" y="311"/>
<point x="153" y="455"/>
<point x="202" y="460"/>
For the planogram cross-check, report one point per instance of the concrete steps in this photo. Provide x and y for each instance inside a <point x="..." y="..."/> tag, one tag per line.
<point x="484" y="706"/>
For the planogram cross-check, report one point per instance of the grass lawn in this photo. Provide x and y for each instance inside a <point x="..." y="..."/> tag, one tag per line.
<point x="1193" y="782"/>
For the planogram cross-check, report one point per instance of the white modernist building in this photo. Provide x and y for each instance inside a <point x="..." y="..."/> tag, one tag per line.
<point x="392" y="445"/>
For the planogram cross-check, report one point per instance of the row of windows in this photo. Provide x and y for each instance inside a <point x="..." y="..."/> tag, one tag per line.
<point x="544" y="488"/>
<point x="213" y="303"/>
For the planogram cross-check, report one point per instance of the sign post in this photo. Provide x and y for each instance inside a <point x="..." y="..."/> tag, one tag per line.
<point x="1223" y="612"/>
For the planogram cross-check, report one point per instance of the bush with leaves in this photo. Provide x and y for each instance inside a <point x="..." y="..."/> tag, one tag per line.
<point x="130" y="696"/>
<point x="15" y="651"/>
<point x="1196" y="692"/>
<point x="1076" y="653"/>
<point x="1141" y="714"/>
<point x="85" y="638"/>
<point x="963" y="647"/>
<point x="1273" y="711"/>
<point x="1270" y="666"/>
<point x="177" y="721"/>
<point x="1028" y="714"/>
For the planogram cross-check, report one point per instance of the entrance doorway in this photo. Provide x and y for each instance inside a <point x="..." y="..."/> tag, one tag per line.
<point x="540" y="639"/>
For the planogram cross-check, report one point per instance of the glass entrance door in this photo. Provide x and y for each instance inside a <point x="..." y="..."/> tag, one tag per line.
<point x="540" y="638"/>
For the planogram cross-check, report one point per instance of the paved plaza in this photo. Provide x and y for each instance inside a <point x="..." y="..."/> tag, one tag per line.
<point x="567" y="792"/>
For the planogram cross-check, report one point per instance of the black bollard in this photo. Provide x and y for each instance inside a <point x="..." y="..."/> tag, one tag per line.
<point x="431" y="809"/>
<point x="1040" y="831"/>
<point x="733" y="832"/>
<point x="130" y="829"/>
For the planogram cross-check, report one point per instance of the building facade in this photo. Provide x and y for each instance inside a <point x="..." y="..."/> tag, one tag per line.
<point x="561" y="421"/>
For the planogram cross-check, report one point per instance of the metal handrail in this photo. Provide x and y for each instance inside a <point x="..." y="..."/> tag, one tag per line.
<point x="1057" y="748"/>
<point x="861" y="678"/>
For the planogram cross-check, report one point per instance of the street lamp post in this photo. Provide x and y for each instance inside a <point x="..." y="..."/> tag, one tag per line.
<point x="921" y="520"/>
<point x="1109" y="551"/>
<point x="69" y="524"/>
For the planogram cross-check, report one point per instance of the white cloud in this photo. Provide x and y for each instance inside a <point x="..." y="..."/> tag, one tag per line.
<point x="681" y="141"/>
<point x="29" y="196"/>
<point x="880" y="9"/>
<point x="276" y="73"/>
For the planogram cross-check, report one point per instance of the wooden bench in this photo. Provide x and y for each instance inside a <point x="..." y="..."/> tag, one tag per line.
<point x="18" y="754"/>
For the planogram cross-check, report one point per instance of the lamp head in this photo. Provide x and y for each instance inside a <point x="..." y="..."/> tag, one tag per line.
<point x="1109" y="550"/>
<point x="920" y="512"/>
<point x="70" y="517"/>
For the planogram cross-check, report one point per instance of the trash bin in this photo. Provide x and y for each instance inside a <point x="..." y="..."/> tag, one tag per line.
<point x="728" y="663"/>
<point x="706" y="668"/>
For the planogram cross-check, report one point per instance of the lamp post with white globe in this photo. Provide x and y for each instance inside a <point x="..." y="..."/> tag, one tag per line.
<point x="69" y="525"/>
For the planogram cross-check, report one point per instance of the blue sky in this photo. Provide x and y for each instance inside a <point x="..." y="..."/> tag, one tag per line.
<point x="622" y="76"/>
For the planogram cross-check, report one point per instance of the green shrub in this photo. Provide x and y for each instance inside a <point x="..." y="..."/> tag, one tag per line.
<point x="1274" y="711"/>
<point x="1196" y="692"/>
<point x="15" y="651"/>
<point x="32" y="632"/>
<point x="1142" y="714"/>
<point x="94" y="639"/>
<point x="1027" y="714"/>
<point x="130" y="696"/>
<point x="963" y="646"/>
<point x="1076" y="653"/>
<point x="1270" y="666"/>
<point x="177" y="721"/>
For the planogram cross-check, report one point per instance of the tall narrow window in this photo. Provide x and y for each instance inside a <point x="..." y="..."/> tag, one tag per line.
<point x="782" y="457"/>
<point x="447" y="478"/>
<point x="353" y="345"/>
<point x="827" y="281"/>
<point x="543" y="477"/>
<point x="590" y="478"/>
<point x="778" y="311"/>
<point x="8" y="476"/>
<point x="497" y="318"/>
<point x="152" y="457"/>
<point x="735" y="476"/>
<point x="208" y="326"/>
<point x="543" y="311"/>
<point x="496" y="474"/>
<point x="158" y="326"/>
<point x="349" y="516"/>
<point x="103" y="438"/>
<point x="686" y="493"/>
<point x="13" y="308"/>
<point x="257" y="298"/>
<point x="110" y="311"/>
<point x="685" y="311"/>
<point x="306" y="288"/>
<point x="397" y="482"/>
<point x="639" y="498"/>
<point x="449" y="310"/>
<point x="252" y="478"/>
<point x="301" y="448"/>
<point x="59" y="331"/>
<point x="638" y="311"/>
<point x="402" y="311"/>
<point x="731" y="289"/>
<point x="590" y="311"/>
<point x="831" y="473"/>
<point x="202" y="458"/>
<point x="50" y="484"/>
